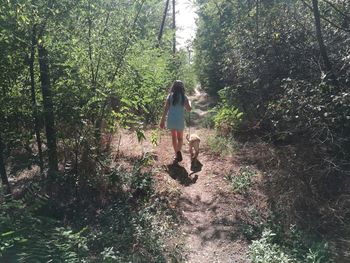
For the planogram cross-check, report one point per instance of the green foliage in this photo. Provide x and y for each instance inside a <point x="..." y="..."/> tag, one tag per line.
<point x="155" y="136"/>
<point x="207" y="120"/>
<point x="309" y="107"/>
<point x="254" y="224"/>
<point x="27" y="237"/>
<point x="105" y="70"/>
<point x="209" y="46"/>
<point x="242" y="180"/>
<point x="267" y="250"/>
<point x="222" y="145"/>
<point x="133" y="226"/>
<point x="186" y="71"/>
<point x="260" y="58"/>
<point x="227" y="119"/>
<point x="130" y="227"/>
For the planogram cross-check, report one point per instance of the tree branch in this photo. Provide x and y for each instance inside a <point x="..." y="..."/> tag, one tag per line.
<point x="324" y="18"/>
<point x="337" y="9"/>
<point x="127" y="43"/>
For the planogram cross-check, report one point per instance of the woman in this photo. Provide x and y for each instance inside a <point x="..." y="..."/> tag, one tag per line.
<point x="175" y="106"/>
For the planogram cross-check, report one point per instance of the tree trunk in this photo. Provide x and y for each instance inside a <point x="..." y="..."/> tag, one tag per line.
<point x="174" y="28"/>
<point x="33" y="96"/>
<point x="93" y="84"/>
<point x="48" y="107"/>
<point x="4" y="178"/>
<point x="257" y="18"/>
<point x="323" y="50"/>
<point x="160" y="34"/>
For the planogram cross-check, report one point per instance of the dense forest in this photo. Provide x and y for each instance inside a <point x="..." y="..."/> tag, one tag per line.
<point x="285" y="66"/>
<point x="78" y="77"/>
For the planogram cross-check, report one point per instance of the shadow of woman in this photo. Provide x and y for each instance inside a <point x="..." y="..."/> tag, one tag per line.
<point x="179" y="173"/>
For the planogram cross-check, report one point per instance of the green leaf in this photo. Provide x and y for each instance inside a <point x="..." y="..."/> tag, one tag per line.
<point x="7" y="233"/>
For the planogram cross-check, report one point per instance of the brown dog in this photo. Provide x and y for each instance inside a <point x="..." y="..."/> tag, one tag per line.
<point x="193" y="142"/>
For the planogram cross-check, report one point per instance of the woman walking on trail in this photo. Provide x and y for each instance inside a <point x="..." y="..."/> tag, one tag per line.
<point x="175" y="106"/>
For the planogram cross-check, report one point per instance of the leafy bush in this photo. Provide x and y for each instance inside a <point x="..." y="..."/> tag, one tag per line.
<point x="227" y="119"/>
<point x="270" y="66"/>
<point x="208" y="119"/>
<point x="125" y="235"/>
<point x="222" y="146"/>
<point x="267" y="250"/>
<point x="253" y="223"/>
<point x="241" y="181"/>
<point x="133" y="226"/>
<point x="310" y="110"/>
<point x="26" y="237"/>
<point x="118" y="218"/>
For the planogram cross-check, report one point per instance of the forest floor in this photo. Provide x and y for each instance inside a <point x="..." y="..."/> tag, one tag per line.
<point x="212" y="217"/>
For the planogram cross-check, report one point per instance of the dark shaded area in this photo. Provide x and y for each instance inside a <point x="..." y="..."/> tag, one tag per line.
<point x="21" y="160"/>
<point x="97" y="203"/>
<point x="196" y="166"/>
<point x="179" y="173"/>
<point x="304" y="190"/>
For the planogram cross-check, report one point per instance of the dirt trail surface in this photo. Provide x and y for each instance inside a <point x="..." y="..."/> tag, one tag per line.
<point x="209" y="211"/>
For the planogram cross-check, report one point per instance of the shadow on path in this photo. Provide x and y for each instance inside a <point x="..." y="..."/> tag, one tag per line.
<point x="179" y="173"/>
<point x="196" y="166"/>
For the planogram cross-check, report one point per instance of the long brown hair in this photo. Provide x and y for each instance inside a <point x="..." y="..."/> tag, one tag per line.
<point x="178" y="91"/>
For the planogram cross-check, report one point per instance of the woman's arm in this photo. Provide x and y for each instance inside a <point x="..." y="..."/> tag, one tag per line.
<point x="188" y="106"/>
<point x="165" y="112"/>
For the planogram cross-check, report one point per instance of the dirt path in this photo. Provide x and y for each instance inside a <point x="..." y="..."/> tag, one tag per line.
<point x="207" y="204"/>
<point x="209" y="210"/>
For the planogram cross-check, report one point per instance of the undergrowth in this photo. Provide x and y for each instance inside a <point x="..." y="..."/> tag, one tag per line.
<point x="222" y="146"/>
<point x="128" y="223"/>
<point x="241" y="181"/>
<point x="272" y="242"/>
<point x="298" y="248"/>
<point x="28" y="237"/>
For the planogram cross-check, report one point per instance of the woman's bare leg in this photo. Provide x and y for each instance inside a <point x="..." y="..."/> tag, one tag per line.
<point x="174" y="140"/>
<point x="180" y="139"/>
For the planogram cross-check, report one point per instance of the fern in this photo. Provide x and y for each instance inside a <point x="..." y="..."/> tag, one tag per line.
<point x="33" y="196"/>
<point x="26" y="237"/>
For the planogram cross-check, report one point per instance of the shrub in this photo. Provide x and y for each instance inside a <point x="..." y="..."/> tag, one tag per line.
<point x="26" y="237"/>
<point x="241" y="181"/>
<point x="298" y="249"/>
<point x="265" y="251"/>
<point x="222" y="146"/>
<point x="227" y="119"/>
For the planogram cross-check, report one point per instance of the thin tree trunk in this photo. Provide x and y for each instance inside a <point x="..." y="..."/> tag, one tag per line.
<point x="101" y="46"/>
<point x="4" y="178"/>
<point x="93" y="84"/>
<point x="257" y="18"/>
<point x="323" y="50"/>
<point x="160" y="34"/>
<point x="35" y="110"/>
<point x="48" y="107"/>
<point x="174" y="28"/>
